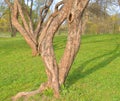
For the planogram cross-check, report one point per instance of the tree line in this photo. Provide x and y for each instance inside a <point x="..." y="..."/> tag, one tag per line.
<point x="100" y="17"/>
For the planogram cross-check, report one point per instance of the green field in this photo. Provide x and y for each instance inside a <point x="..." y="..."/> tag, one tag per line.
<point x="95" y="74"/>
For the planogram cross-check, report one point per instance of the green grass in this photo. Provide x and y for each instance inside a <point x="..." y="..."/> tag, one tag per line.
<point x="95" y="74"/>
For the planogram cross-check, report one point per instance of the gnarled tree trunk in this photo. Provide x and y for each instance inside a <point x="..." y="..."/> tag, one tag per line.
<point x="40" y="39"/>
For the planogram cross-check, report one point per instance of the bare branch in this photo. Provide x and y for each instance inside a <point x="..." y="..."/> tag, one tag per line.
<point x="58" y="5"/>
<point x="30" y="20"/>
<point x="15" y="12"/>
<point x="4" y="13"/>
<point x="22" y="16"/>
<point x="55" y="18"/>
<point x="37" y="30"/>
<point x="9" y="4"/>
<point x="49" y="2"/>
<point x="31" y="9"/>
<point x="43" y="13"/>
<point x="25" y="22"/>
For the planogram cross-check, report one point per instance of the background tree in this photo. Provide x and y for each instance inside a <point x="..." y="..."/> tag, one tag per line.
<point x="5" y="19"/>
<point x="99" y="17"/>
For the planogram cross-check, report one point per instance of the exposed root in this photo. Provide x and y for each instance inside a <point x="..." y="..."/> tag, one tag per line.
<point x="57" y="95"/>
<point x="26" y="95"/>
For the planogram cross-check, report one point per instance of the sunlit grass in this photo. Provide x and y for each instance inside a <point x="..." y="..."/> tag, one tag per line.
<point x="94" y="76"/>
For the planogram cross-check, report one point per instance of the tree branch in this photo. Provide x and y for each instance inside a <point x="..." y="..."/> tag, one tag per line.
<point x="43" y="14"/>
<point x="41" y="19"/>
<point x="55" y="20"/>
<point x="25" y="22"/>
<point x="58" y="5"/>
<point x="19" y="27"/>
<point x="9" y="4"/>
<point x="30" y="20"/>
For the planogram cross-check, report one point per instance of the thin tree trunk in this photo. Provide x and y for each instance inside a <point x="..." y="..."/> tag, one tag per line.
<point x="73" y="42"/>
<point x="12" y="30"/>
<point x="31" y="8"/>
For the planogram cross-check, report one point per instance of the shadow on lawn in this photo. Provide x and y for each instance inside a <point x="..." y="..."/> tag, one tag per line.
<point x="102" y="40"/>
<point x="78" y="72"/>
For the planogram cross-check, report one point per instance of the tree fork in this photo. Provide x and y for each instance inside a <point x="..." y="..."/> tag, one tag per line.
<point x="44" y="45"/>
<point x="46" y="49"/>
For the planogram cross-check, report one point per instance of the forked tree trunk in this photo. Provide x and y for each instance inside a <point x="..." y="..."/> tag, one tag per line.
<point x="59" y="74"/>
<point x="72" y="11"/>
<point x="46" y="47"/>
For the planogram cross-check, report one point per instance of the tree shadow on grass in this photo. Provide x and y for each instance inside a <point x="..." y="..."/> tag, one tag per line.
<point x="78" y="72"/>
<point x="101" y="40"/>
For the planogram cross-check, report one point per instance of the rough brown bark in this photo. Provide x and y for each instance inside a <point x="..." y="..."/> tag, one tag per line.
<point x="73" y="41"/>
<point x="46" y="46"/>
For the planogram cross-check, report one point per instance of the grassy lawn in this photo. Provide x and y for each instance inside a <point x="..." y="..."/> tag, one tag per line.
<point x="95" y="74"/>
